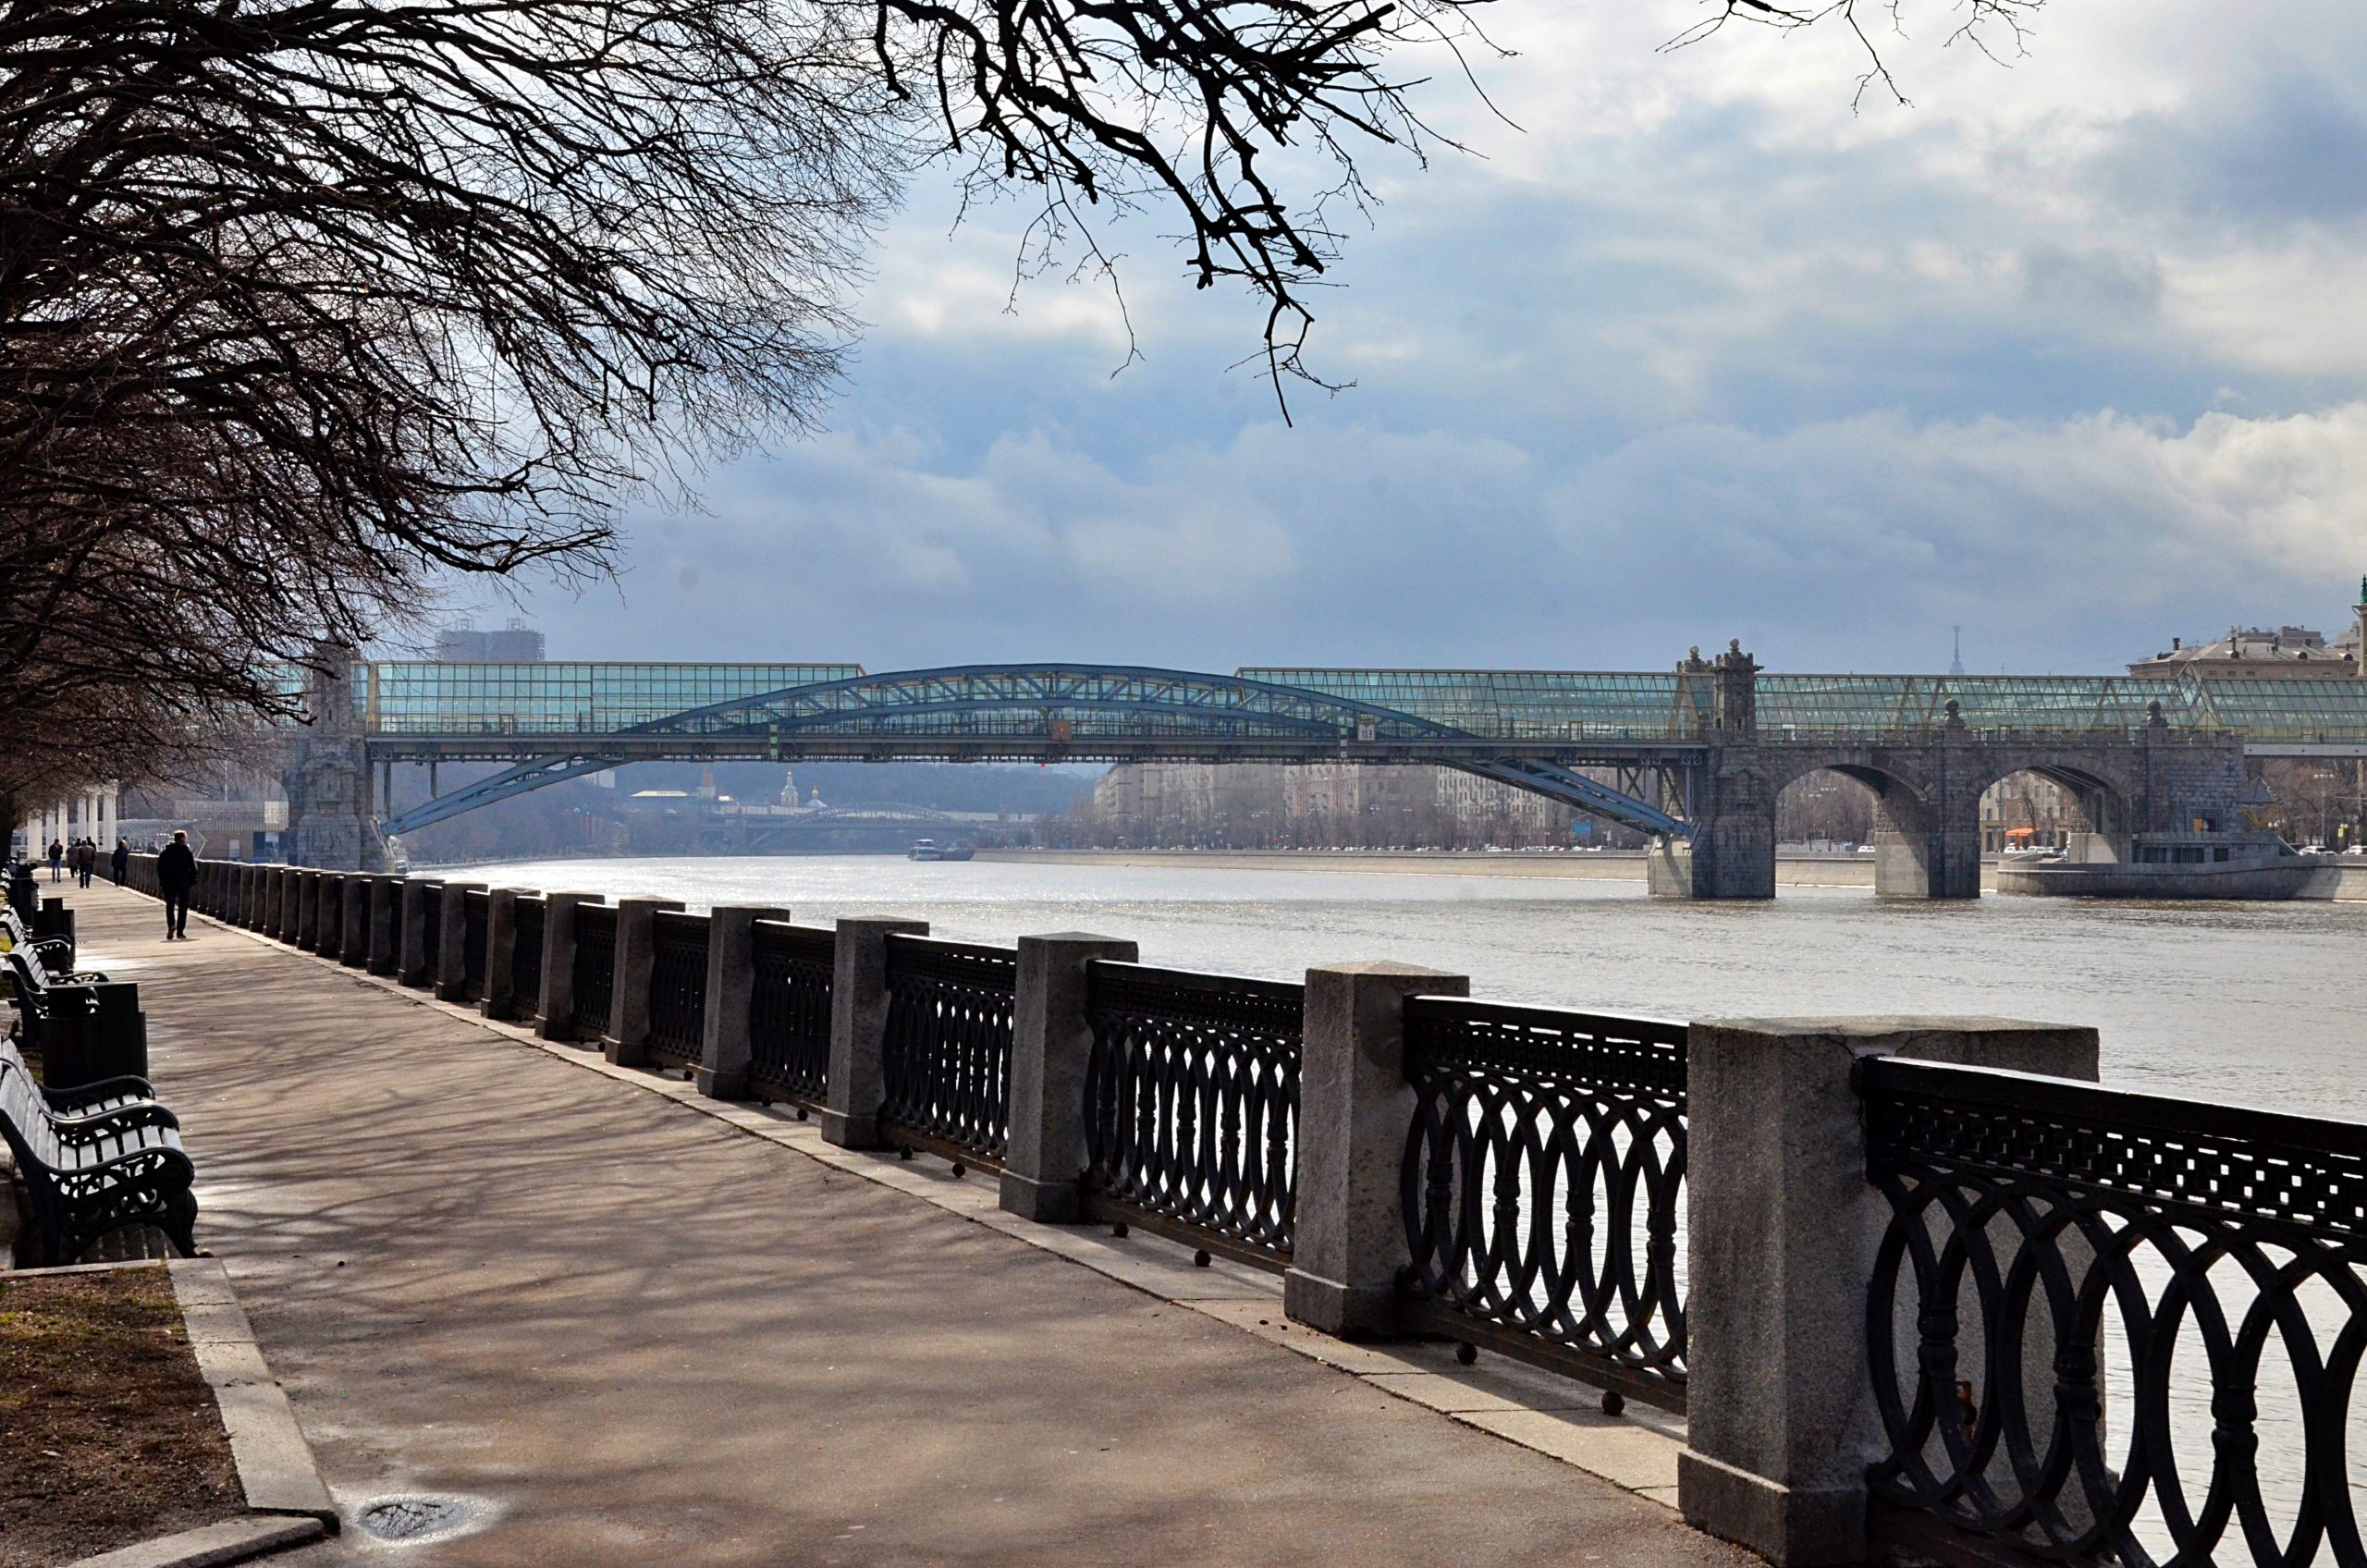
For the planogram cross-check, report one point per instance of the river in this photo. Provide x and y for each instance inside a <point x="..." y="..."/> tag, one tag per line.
<point x="2257" y="1004"/>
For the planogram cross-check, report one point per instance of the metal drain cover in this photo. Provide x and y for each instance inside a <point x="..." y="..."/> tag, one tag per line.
<point x="418" y="1518"/>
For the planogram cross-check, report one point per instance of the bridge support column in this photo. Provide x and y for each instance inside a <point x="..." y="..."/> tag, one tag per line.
<point x="326" y="775"/>
<point x="1731" y="853"/>
<point x="1927" y="848"/>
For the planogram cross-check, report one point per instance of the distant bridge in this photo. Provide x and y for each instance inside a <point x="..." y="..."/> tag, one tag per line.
<point x="1689" y="752"/>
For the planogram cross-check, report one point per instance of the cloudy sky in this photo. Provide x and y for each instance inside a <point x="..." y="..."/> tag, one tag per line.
<point x="2073" y="352"/>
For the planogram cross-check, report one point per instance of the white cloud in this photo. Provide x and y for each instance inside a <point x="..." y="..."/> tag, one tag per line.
<point x="2074" y="353"/>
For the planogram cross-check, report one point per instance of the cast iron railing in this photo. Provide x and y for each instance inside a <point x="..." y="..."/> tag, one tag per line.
<point x="527" y="923"/>
<point x="789" y="1013"/>
<point x="1542" y="1187"/>
<point x="475" y="908"/>
<point x="431" y="908"/>
<point x="677" y="989"/>
<point x="2110" y="1327"/>
<point x="1191" y="1097"/>
<point x="946" y="1060"/>
<point x="596" y="968"/>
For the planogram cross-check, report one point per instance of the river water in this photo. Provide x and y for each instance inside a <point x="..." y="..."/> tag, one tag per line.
<point x="2258" y="1004"/>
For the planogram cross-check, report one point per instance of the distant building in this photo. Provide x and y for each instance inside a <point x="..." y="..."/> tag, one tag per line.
<point x="515" y="643"/>
<point x="2258" y="653"/>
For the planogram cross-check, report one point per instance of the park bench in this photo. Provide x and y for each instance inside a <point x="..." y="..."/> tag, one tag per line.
<point x="43" y="1000"/>
<point x="57" y="954"/>
<point x="89" y="1175"/>
<point x="80" y="1100"/>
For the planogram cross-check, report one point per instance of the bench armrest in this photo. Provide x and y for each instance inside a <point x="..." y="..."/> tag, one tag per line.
<point x="67" y="1099"/>
<point x="77" y="1130"/>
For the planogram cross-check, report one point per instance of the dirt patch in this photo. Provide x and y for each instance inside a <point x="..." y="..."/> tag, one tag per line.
<point x="108" y="1434"/>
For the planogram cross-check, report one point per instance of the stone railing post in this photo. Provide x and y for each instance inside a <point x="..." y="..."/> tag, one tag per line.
<point x="1355" y="1108"/>
<point x="500" y="998"/>
<point x="353" y="934"/>
<point x="330" y="923"/>
<point x="241" y="879"/>
<point x="275" y="900"/>
<point x="627" y="1041"/>
<point x="1051" y="1042"/>
<point x="386" y="925"/>
<point x="722" y="1072"/>
<point x="411" y="922"/>
<point x="555" y="1009"/>
<point x="304" y="916"/>
<point x="453" y="942"/>
<point x="1782" y="1229"/>
<point x="859" y="1028"/>
<point x="251" y="898"/>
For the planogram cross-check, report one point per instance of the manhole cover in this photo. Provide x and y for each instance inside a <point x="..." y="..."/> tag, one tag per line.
<point x="418" y="1518"/>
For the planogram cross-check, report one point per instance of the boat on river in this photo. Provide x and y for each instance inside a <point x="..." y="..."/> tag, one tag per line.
<point x="929" y="849"/>
<point x="2175" y="865"/>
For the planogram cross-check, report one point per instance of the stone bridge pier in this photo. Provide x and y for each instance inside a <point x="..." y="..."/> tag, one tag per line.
<point x="332" y="820"/>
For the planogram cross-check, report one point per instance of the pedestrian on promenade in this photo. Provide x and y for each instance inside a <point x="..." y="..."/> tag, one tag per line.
<point x="57" y="860"/>
<point x="86" y="858"/>
<point x="175" y="875"/>
<point x="121" y="861"/>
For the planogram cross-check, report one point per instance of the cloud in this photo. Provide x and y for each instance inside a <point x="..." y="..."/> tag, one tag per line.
<point x="2073" y="352"/>
<point x="1844" y="544"/>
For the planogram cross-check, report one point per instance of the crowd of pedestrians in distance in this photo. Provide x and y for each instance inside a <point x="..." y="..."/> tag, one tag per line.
<point x="81" y="857"/>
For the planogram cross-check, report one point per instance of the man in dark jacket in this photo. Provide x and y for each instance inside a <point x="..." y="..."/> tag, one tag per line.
<point x="121" y="861"/>
<point x="175" y="875"/>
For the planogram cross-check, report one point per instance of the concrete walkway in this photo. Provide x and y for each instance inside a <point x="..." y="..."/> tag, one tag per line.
<point x="641" y="1336"/>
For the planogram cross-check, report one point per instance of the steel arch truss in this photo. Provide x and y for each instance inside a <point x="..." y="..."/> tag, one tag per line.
<point x="1053" y="712"/>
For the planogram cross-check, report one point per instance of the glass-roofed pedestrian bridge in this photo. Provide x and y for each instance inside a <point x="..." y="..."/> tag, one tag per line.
<point x="423" y="709"/>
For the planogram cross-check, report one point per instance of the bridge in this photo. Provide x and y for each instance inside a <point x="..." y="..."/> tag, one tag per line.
<point x="1695" y="756"/>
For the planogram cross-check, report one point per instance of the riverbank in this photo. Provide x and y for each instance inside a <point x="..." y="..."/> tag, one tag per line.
<point x="2349" y="881"/>
<point x="1586" y="866"/>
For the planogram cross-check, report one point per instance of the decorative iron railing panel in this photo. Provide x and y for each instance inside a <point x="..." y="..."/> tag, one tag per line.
<point x="476" y="908"/>
<point x="677" y="988"/>
<point x="788" y="1011"/>
<point x="596" y="967"/>
<point x="526" y="955"/>
<point x="431" y="906"/>
<point x="1192" y="1106"/>
<point x="2108" y="1327"/>
<point x="1543" y="1185"/>
<point x="946" y="1059"/>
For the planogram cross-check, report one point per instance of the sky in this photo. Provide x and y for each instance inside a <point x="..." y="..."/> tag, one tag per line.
<point x="2071" y="352"/>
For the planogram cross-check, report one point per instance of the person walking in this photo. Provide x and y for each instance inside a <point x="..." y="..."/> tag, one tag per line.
<point x="121" y="861"/>
<point x="57" y="860"/>
<point x="86" y="860"/>
<point x="175" y="875"/>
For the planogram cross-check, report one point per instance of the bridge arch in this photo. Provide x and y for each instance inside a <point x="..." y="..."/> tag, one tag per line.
<point x="1915" y="856"/>
<point x="1058" y="712"/>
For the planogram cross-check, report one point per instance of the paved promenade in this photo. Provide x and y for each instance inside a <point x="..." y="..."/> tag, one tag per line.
<point x="644" y="1336"/>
